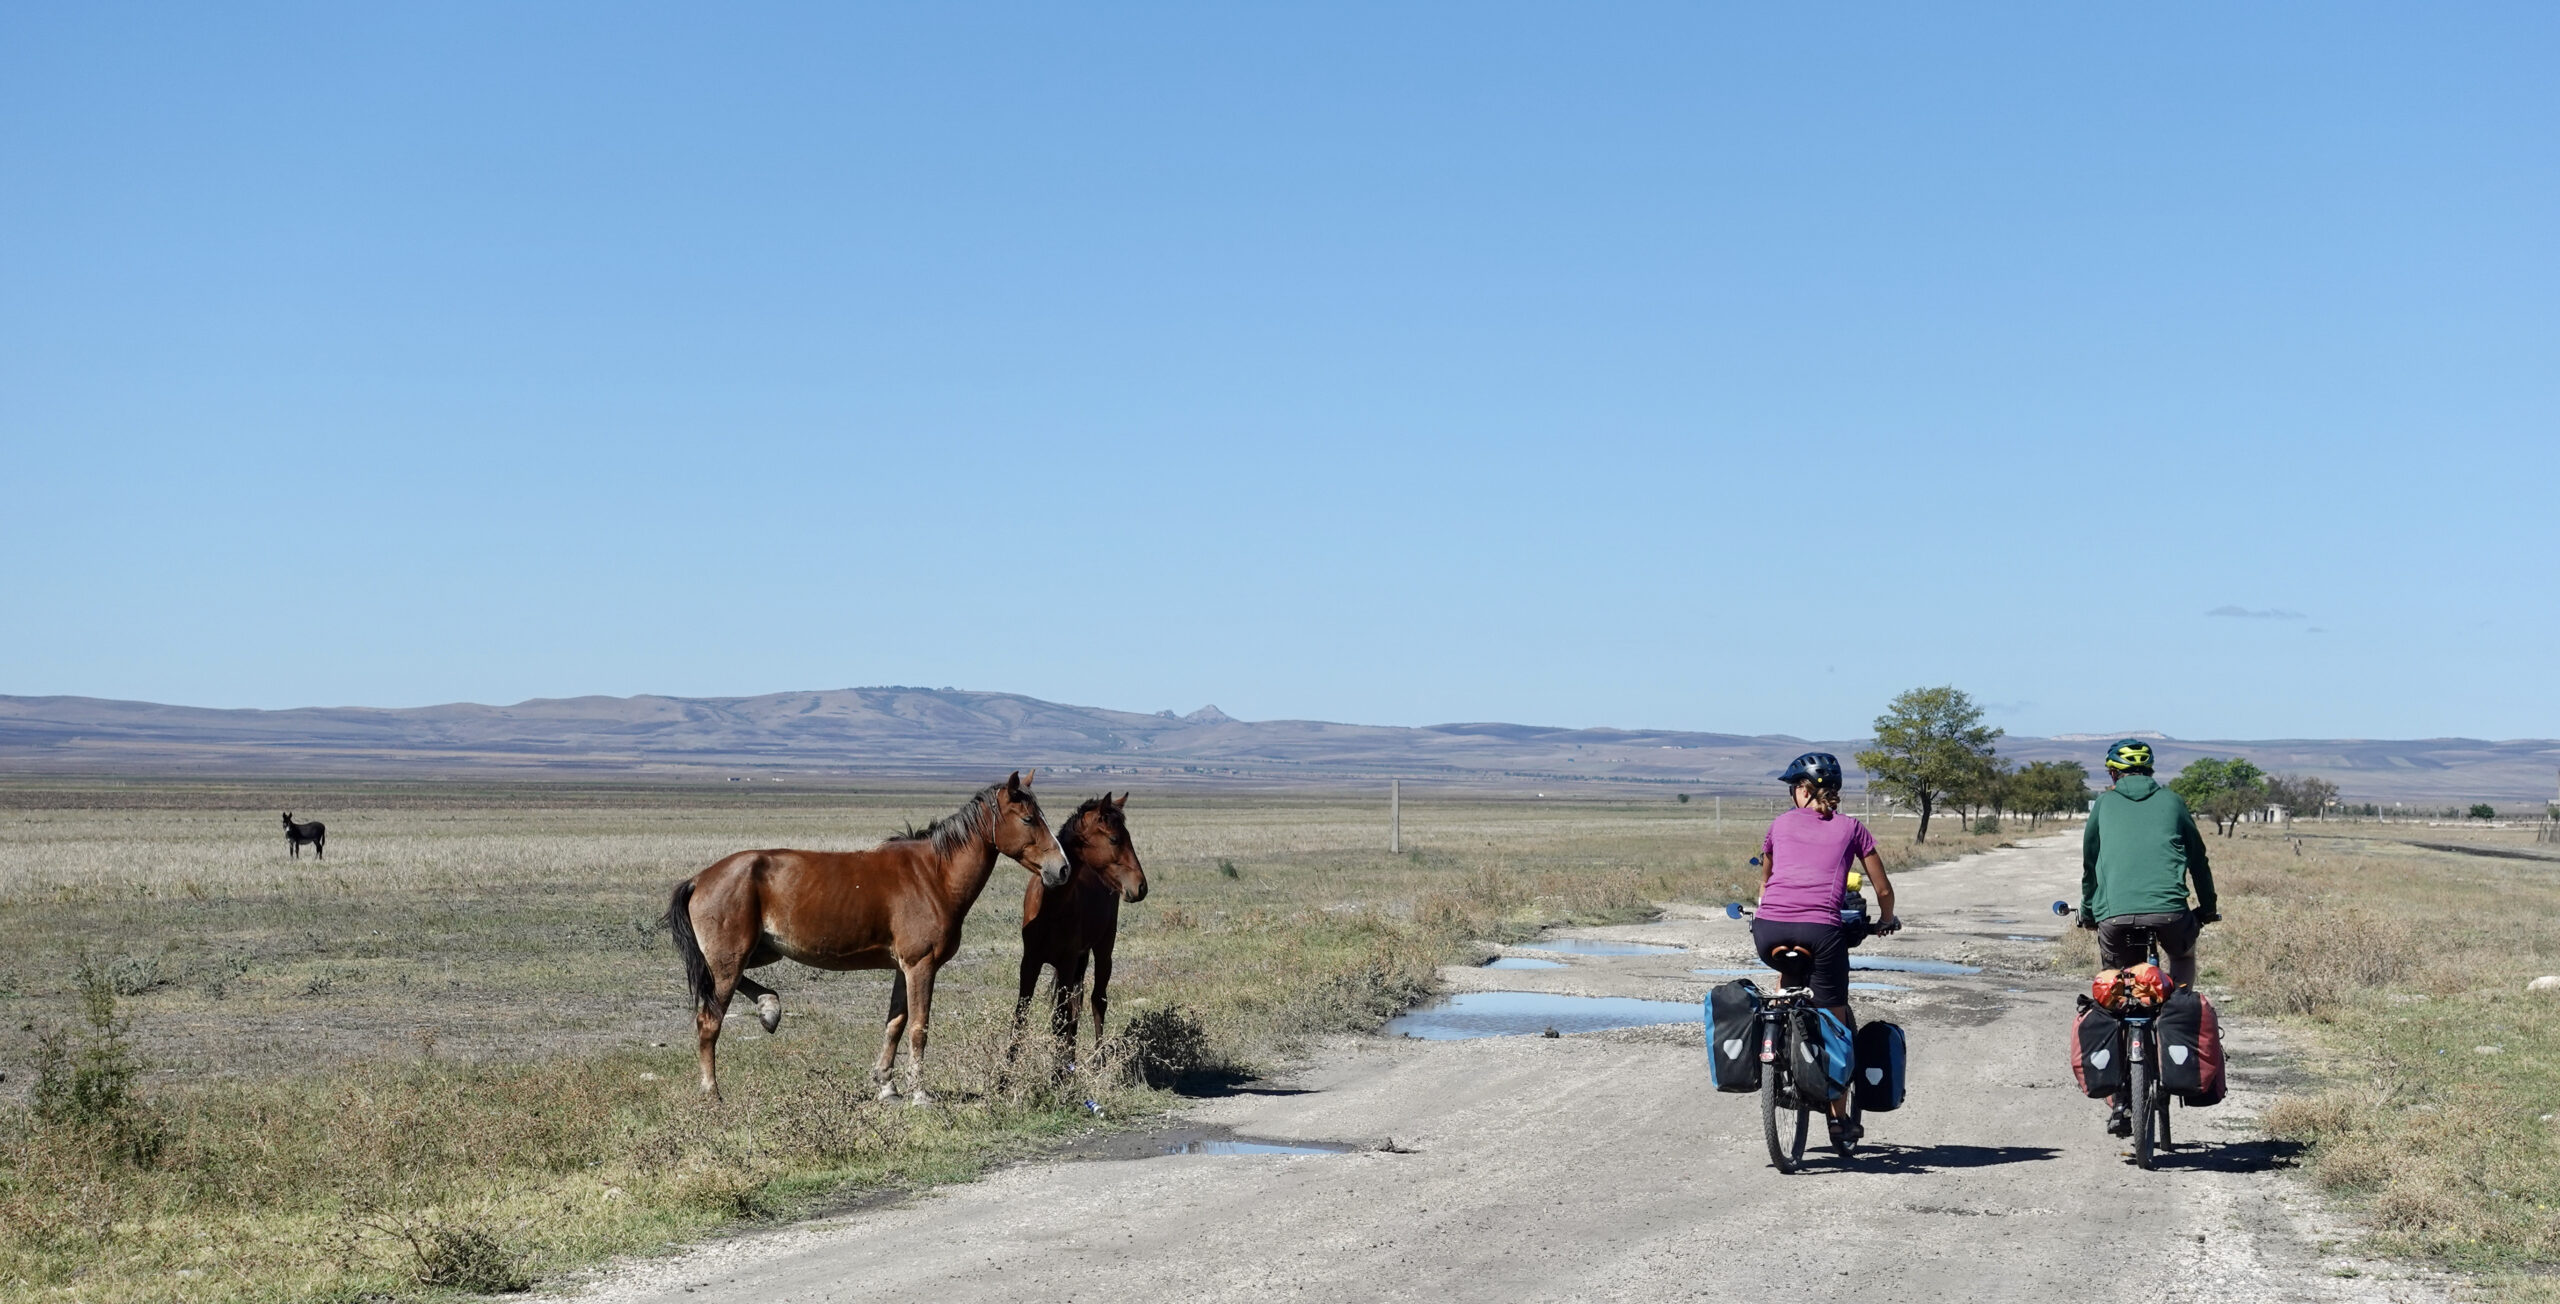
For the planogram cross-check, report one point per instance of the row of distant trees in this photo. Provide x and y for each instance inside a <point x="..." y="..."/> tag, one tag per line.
<point x="1933" y="750"/>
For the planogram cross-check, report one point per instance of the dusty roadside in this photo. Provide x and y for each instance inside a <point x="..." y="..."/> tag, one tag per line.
<point x="1599" y="1166"/>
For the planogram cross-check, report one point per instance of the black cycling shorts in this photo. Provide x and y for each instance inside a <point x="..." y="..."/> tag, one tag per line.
<point x="2125" y="940"/>
<point x="1828" y="975"/>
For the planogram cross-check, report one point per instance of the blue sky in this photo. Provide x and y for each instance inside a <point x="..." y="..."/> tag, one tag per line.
<point x="1720" y="367"/>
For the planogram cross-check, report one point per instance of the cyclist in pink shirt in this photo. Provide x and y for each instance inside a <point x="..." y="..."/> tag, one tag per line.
<point x="1804" y="876"/>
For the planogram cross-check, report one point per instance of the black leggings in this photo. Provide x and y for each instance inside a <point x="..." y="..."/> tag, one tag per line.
<point x="1827" y="974"/>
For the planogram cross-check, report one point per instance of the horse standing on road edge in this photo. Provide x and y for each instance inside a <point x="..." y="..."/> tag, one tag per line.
<point x="315" y="833"/>
<point x="1065" y="925"/>
<point x="897" y="906"/>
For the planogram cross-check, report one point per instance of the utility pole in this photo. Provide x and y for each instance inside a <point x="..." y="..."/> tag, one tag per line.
<point x="1395" y="816"/>
<point x="1719" y="814"/>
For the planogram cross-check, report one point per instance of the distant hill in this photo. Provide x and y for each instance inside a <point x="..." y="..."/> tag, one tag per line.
<point x="930" y="732"/>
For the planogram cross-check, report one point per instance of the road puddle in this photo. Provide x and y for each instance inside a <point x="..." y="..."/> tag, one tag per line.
<point x="1907" y="964"/>
<point x="1531" y="1014"/>
<point x="1594" y="946"/>
<point x="1521" y="962"/>
<point x="1247" y="1146"/>
<point x="1768" y="979"/>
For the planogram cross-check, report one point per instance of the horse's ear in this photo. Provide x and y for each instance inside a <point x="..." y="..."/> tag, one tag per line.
<point x="1029" y="775"/>
<point x="1013" y="782"/>
<point x="1122" y="804"/>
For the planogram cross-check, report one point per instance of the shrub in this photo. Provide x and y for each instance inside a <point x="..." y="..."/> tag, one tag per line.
<point x="1987" y="826"/>
<point x="2484" y="811"/>
<point x="84" y="1080"/>
<point x="1165" y="1043"/>
<point x="1227" y="869"/>
<point x="464" y="1257"/>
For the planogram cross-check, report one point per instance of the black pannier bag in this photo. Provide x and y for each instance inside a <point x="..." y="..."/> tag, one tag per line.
<point x="1733" y="1036"/>
<point x="1878" y="1086"/>
<point x="2097" y="1051"/>
<point x="2190" y="1048"/>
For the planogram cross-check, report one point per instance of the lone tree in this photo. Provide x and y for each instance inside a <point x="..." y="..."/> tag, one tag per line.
<point x="1929" y="742"/>
<point x="2222" y="791"/>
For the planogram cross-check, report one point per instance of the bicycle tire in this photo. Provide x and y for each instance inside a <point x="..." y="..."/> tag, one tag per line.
<point x="2140" y="1091"/>
<point x="1778" y="1096"/>
<point x="2162" y="1141"/>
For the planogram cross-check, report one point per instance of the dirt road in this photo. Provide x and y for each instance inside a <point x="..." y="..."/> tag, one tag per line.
<point x="1601" y="1167"/>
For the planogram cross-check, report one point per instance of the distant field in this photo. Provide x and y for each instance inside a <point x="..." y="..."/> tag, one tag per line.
<point x="459" y="1045"/>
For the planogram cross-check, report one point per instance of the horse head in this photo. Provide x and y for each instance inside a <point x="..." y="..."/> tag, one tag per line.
<point x="1021" y="833"/>
<point x="288" y="819"/>
<point x="1097" y="838"/>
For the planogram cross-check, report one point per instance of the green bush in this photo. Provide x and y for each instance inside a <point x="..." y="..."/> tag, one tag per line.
<point x="2484" y="811"/>
<point x="84" y="1079"/>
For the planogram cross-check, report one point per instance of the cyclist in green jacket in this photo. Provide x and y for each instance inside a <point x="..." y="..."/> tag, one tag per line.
<point x="2136" y="856"/>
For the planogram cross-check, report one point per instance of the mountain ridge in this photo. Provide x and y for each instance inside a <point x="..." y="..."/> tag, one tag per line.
<point x="897" y="730"/>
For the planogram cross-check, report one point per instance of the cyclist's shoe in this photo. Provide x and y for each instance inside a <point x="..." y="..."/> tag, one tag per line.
<point x="2120" y="1121"/>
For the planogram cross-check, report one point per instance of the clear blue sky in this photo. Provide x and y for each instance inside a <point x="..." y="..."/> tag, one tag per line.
<point x="1723" y="367"/>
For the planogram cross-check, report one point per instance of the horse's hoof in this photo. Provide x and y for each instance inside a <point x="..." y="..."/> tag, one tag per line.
<point x="769" y="1012"/>
<point x="887" y="1092"/>
<point x="920" y="1098"/>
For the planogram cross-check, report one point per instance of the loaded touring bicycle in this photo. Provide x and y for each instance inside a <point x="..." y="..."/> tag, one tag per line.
<point x="1798" y="1057"/>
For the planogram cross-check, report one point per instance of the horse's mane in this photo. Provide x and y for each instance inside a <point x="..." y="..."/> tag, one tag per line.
<point x="974" y="817"/>
<point x="1110" y="812"/>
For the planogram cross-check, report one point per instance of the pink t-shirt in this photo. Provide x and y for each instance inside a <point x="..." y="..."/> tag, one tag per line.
<point x="1810" y="857"/>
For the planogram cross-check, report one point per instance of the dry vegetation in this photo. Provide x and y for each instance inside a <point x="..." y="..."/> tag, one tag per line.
<point x="455" y="1053"/>
<point x="2438" y="1081"/>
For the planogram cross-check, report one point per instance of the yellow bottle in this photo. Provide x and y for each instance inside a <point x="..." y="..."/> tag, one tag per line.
<point x="1857" y="881"/>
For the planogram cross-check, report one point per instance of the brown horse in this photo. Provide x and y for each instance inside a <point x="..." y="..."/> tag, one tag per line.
<point x="897" y="906"/>
<point x="1063" y="925"/>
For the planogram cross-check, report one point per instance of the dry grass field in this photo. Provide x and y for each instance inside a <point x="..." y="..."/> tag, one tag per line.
<point x="456" y="1054"/>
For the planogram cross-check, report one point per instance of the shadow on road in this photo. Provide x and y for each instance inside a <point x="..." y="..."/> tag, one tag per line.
<point x="1211" y="1084"/>
<point x="1890" y="1158"/>
<point x="2232" y="1156"/>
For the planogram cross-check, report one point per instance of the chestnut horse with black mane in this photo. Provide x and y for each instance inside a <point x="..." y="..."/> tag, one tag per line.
<point x="897" y="906"/>
<point x="1066" y="924"/>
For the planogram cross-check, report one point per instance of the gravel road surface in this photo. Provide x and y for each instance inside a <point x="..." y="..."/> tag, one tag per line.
<point x="1599" y="1166"/>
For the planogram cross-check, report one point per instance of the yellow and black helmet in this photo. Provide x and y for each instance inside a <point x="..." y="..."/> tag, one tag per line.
<point x="2129" y="754"/>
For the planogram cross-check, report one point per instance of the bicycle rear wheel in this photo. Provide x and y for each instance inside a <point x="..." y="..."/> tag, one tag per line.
<point x="1777" y="1097"/>
<point x="2140" y="1090"/>
<point x="2162" y="1141"/>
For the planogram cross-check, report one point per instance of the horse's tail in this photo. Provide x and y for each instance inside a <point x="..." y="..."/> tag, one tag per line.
<point x="697" y="970"/>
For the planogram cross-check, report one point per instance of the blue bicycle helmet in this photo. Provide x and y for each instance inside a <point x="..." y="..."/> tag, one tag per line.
<point x="1821" y="769"/>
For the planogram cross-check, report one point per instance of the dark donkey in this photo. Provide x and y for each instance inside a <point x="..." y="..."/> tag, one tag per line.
<point x="897" y="906"/>
<point x="1065" y="925"/>
<point x="315" y="833"/>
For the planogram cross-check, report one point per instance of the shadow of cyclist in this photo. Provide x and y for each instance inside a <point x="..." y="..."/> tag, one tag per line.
<point x="1886" y="1157"/>
<point x="2232" y="1156"/>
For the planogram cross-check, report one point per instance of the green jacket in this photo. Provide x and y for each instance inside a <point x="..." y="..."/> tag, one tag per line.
<point x="2139" y="850"/>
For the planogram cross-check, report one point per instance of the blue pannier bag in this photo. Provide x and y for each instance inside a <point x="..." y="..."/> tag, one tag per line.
<point x="1880" y="1056"/>
<point x="1733" y="1036"/>
<point x="1823" y="1055"/>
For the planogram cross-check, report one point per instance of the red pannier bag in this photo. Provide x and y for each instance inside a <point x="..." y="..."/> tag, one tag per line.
<point x="2191" y="1049"/>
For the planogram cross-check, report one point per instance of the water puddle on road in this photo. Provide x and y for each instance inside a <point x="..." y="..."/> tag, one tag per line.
<point x="1766" y="979"/>
<point x="1530" y="1014"/>
<point x="1594" y="946"/>
<point x="1906" y="964"/>
<point x="1244" y="1146"/>
<point x="1521" y="962"/>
